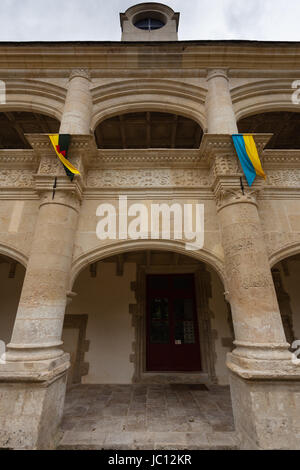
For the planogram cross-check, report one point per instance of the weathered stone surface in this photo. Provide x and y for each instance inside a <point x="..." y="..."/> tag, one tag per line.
<point x="266" y="413"/>
<point x="150" y="426"/>
<point x="31" y="414"/>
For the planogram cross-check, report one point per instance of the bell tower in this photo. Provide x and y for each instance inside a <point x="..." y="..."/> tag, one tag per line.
<point x="149" y="22"/>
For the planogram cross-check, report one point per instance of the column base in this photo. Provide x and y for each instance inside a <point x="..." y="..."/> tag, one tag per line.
<point x="250" y="368"/>
<point x="31" y="403"/>
<point x="266" y="410"/>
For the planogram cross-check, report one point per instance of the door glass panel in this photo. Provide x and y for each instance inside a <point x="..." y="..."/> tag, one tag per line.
<point x="159" y="321"/>
<point x="184" y="321"/>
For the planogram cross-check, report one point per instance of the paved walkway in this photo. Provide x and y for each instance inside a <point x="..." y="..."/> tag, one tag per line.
<point x="147" y="417"/>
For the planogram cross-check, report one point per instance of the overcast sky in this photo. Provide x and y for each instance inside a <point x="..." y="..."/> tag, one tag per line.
<point x="98" y="20"/>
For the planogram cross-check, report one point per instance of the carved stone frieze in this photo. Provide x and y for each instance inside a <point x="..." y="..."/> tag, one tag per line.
<point x="51" y="166"/>
<point x="224" y="165"/>
<point x="285" y="159"/>
<point x="143" y="178"/>
<point x="16" y="178"/>
<point x="288" y="178"/>
<point x="18" y="159"/>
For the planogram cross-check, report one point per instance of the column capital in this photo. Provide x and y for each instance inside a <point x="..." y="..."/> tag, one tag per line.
<point x="215" y="73"/>
<point x="65" y="194"/>
<point x="82" y="73"/>
<point x="228" y="191"/>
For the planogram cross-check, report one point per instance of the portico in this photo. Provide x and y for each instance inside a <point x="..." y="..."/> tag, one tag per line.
<point x="162" y="135"/>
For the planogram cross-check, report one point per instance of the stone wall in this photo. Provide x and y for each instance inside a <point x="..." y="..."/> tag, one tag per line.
<point x="105" y="299"/>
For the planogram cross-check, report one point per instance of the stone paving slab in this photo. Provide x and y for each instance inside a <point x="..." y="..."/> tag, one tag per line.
<point x="139" y="416"/>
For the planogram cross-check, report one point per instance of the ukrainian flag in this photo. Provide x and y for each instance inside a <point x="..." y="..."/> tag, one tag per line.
<point x="61" y="144"/>
<point x="248" y="155"/>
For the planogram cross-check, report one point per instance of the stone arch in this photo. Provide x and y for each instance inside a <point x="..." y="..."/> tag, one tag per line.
<point x="11" y="252"/>
<point x="34" y="96"/>
<point x="102" y="252"/>
<point x="285" y="252"/>
<point x="263" y="96"/>
<point x="154" y="95"/>
<point x="130" y="274"/>
<point x="285" y="271"/>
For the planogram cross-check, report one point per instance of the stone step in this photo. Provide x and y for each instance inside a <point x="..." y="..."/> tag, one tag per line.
<point x="88" y="440"/>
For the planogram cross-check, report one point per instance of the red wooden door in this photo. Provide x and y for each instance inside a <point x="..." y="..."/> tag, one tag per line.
<point x="172" y="329"/>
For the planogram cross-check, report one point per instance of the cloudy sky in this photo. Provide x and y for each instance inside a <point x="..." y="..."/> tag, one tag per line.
<point x="98" y="20"/>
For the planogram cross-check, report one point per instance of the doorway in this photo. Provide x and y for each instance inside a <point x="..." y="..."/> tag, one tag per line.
<point x="172" y="326"/>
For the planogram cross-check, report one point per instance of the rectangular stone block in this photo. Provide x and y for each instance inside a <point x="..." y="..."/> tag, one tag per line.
<point x="266" y="414"/>
<point x="30" y="414"/>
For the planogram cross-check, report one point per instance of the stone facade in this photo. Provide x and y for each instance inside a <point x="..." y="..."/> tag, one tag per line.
<point x="246" y="233"/>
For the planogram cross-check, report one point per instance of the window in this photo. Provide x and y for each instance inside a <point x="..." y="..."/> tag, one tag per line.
<point x="149" y="24"/>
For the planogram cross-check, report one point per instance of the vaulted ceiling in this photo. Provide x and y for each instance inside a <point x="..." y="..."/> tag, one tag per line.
<point x="284" y="125"/>
<point x="13" y="126"/>
<point x="148" y="130"/>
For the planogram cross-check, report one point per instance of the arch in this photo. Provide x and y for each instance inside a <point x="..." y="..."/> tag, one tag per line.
<point x="155" y="95"/>
<point x="263" y="96"/>
<point x="285" y="252"/>
<point x="34" y="96"/>
<point x="13" y="253"/>
<point x="101" y="252"/>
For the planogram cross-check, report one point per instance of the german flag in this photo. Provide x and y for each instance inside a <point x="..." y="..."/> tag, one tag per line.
<point x="61" y="144"/>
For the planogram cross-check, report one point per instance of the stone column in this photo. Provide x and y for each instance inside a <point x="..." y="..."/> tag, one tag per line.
<point x="33" y="379"/>
<point x="264" y="382"/>
<point x="259" y="333"/>
<point x="219" y="111"/>
<point x="38" y="325"/>
<point x="263" y="378"/>
<point x="78" y="106"/>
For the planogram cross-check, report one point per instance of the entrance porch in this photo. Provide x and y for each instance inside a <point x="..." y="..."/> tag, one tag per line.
<point x="140" y="416"/>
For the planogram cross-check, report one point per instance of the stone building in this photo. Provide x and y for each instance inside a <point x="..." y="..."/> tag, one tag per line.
<point x="151" y="118"/>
